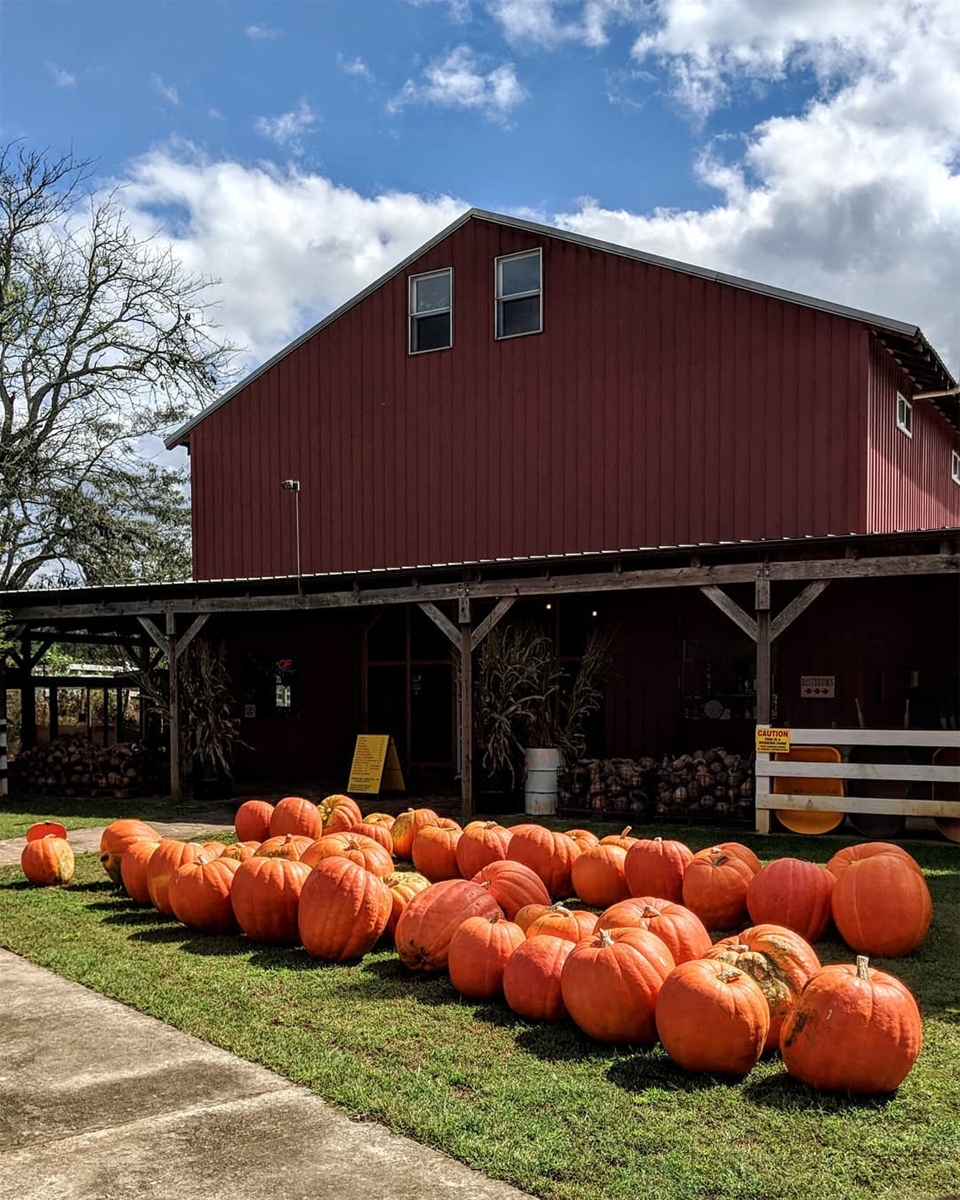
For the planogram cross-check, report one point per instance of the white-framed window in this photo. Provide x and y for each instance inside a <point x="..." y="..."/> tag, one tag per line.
<point x="519" y="293"/>
<point x="431" y="311"/>
<point x="904" y="415"/>
<point x="955" y="466"/>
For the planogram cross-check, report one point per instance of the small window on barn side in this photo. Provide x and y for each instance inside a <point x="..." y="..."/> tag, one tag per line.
<point x="904" y="415"/>
<point x="519" y="279"/>
<point x="955" y="466"/>
<point x="431" y="311"/>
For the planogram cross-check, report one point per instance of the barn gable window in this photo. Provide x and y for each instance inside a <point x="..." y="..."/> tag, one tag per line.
<point x="955" y="466"/>
<point x="519" y="279"/>
<point x="431" y="311"/>
<point x="904" y="415"/>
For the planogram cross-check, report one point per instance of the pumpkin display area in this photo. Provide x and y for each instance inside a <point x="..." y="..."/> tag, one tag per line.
<point x="385" y="957"/>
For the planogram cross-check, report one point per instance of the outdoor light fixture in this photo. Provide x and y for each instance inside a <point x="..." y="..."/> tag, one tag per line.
<point x="293" y="485"/>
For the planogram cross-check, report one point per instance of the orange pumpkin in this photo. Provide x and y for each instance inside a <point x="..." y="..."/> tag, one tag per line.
<point x="164" y="863"/>
<point x="558" y="921"/>
<point x="738" y="850"/>
<point x="793" y="893"/>
<point x="404" y="829"/>
<point x="551" y="855"/>
<point x="214" y="849"/>
<point x="363" y="851"/>
<point x="339" y="813"/>
<point x="285" y="845"/>
<point x="42" y="829"/>
<point x="621" y="839"/>
<point x="531" y="978"/>
<point x="252" y="821"/>
<point x="379" y="818"/>
<point x="655" y="867"/>
<point x="117" y="837"/>
<point x="525" y="917"/>
<point x="680" y="930"/>
<point x="344" y="909"/>
<point x="610" y="984"/>
<point x="433" y="916"/>
<point x="403" y="886"/>
<point x="133" y="870"/>
<point x="241" y="850"/>
<point x="200" y="894"/>
<point x="478" y="954"/>
<point x="778" y="960"/>
<point x="598" y="877"/>
<point x="712" y="1017"/>
<point x="48" y="860"/>
<point x="376" y="833"/>
<point x="715" y="888"/>
<point x="854" y="854"/>
<point x="881" y="905"/>
<point x="853" y="1029"/>
<point x="583" y="838"/>
<point x="265" y="898"/>
<point x="435" y="849"/>
<point x="295" y="815"/>
<point x="513" y="886"/>
<point x="483" y="842"/>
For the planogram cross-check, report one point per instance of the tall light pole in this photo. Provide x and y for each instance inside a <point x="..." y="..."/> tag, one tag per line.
<point x="293" y="485"/>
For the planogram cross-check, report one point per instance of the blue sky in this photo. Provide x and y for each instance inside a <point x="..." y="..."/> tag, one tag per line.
<point x="294" y="151"/>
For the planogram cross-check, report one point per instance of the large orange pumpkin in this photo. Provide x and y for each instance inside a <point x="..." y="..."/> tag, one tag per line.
<point x="478" y="954"/>
<point x="551" y="855"/>
<point x="610" y="984"/>
<point x="598" y="877"/>
<point x="881" y="905"/>
<point x="583" y="838"/>
<point x="712" y="1017"/>
<point x="241" y="850"/>
<point x="531" y="978"/>
<point x="265" y="898"/>
<point x="339" y="813"/>
<point x="164" y="863"/>
<point x="778" y="960"/>
<point x="363" y="851"/>
<point x="681" y="931"/>
<point x="252" y="821"/>
<point x="525" y="917"/>
<point x="513" y="886"/>
<point x="200" y="894"/>
<point x="403" y="886"/>
<point x="433" y="916"/>
<point x="377" y="833"/>
<point x="133" y="870"/>
<point x="738" y="850"/>
<point x="42" y="829"/>
<point x="379" y="818"/>
<point x="793" y="893"/>
<point x="344" y="909"/>
<point x="715" y="888"/>
<point x="483" y="842"/>
<point x="285" y="845"/>
<point x="559" y="921"/>
<point x="434" y="849"/>
<point x="853" y="1029"/>
<point x="853" y="854"/>
<point x="295" y="815"/>
<point x="48" y="860"/>
<point x="621" y="839"/>
<point x="117" y="837"/>
<point x="404" y="829"/>
<point x="654" y="867"/>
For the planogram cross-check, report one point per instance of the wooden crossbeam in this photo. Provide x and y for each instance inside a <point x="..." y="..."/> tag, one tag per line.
<point x="442" y="622"/>
<point x="155" y="636"/>
<point x="797" y="605"/>
<point x="503" y="606"/>
<point x="195" y="626"/>
<point x="732" y="610"/>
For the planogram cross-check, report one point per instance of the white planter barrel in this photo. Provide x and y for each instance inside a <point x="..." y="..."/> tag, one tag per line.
<point x="542" y="775"/>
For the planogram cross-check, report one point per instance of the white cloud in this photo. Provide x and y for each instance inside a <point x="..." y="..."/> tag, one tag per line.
<point x="458" y="80"/>
<point x="61" y="78"/>
<point x="166" y="90"/>
<point x="458" y="11"/>
<point x="215" y="114"/>
<point x="262" y="33"/>
<point x="288" y="129"/>
<point x="354" y="66"/>
<point x="547" y="24"/>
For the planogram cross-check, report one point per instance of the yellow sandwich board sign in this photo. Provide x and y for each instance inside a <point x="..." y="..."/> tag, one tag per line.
<point x="375" y="765"/>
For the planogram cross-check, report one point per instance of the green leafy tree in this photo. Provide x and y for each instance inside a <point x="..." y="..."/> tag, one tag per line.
<point x="105" y="340"/>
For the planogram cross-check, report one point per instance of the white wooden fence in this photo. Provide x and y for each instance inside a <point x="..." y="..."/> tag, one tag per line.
<point x="768" y="769"/>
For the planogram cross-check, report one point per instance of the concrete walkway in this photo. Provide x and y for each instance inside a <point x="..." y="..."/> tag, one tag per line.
<point x="99" y="1102"/>
<point x="87" y="841"/>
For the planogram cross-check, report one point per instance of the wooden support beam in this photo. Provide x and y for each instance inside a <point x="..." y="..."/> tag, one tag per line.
<point x="194" y="628"/>
<point x="36" y="655"/>
<point x="491" y="619"/>
<point x="28" y="699"/>
<point x="54" y="704"/>
<point x="732" y="610"/>
<point x="155" y="635"/>
<point x="154" y="658"/>
<point x="466" y="712"/>
<point x="119" y="727"/>
<point x="442" y="622"/>
<point x="176" y="783"/>
<point x="784" y="619"/>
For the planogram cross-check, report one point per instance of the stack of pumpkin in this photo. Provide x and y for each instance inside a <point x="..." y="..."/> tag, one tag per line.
<point x="76" y="766"/>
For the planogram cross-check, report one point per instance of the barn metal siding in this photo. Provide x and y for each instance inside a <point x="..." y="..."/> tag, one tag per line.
<point x="908" y="477"/>
<point x="655" y="408"/>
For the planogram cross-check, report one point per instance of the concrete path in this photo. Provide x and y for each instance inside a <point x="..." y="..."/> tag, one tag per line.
<point x="87" y="841"/>
<point x="99" y="1102"/>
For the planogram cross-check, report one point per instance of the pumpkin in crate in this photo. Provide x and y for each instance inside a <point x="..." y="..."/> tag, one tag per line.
<point x="200" y="894"/>
<point x="531" y="978"/>
<point x="598" y="876"/>
<point x="559" y="921"/>
<point x="117" y="837"/>
<point x="853" y="1029"/>
<point x="712" y="1017"/>
<point x="363" y="851"/>
<point x="793" y="893"/>
<point x="404" y="829"/>
<point x="655" y="867"/>
<point x="881" y="905"/>
<point x="377" y="833"/>
<point x="610" y="984"/>
<point x="478" y="955"/>
<point x="133" y="870"/>
<point x="715" y="888"/>
<point x="252" y="821"/>
<point x="402" y="886"/>
<point x="681" y="931"/>
<point x="483" y="842"/>
<point x="285" y="845"/>
<point x="164" y="863"/>
<point x="266" y="896"/>
<point x="47" y="860"/>
<point x="778" y="960"/>
<point x="434" y="849"/>
<point x="297" y="816"/>
<point x="432" y="917"/>
<point x="513" y="886"/>
<point x="343" y="910"/>
<point x="551" y="855"/>
<point x="338" y="813"/>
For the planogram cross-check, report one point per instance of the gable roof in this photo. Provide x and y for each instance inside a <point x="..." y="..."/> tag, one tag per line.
<point x="905" y="341"/>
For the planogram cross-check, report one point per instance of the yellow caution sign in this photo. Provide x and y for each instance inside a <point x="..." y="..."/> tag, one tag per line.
<point x="375" y="765"/>
<point x="772" y="741"/>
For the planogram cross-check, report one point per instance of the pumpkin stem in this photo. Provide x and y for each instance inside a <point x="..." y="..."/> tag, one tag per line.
<point x="649" y="911"/>
<point x="739" y="948"/>
<point x="626" y="831"/>
<point x="659" y="839"/>
<point x="862" y="963"/>
<point x="604" y="938"/>
<point x="495" y="917"/>
<point x="561" y="908"/>
<point x="729" y="975"/>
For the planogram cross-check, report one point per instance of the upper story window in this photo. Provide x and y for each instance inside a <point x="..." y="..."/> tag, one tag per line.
<point x="955" y="466"/>
<point x="519" y="294"/>
<point x="431" y="311"/>
<point x="904" y="415"/>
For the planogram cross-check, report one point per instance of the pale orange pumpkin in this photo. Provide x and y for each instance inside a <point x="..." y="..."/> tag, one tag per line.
<point x="338" y="814"/>
<point x="47" y="860"/>
<point x="404" y="829"/>
<point x="403" y="886"/>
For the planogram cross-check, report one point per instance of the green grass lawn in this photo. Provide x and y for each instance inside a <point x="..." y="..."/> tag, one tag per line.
<point x="540" y="1106"/>
<point x="18" y="813"/>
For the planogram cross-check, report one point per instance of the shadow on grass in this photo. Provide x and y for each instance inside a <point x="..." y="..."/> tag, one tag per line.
<point x="561" y="1041"/>
<point x="120" y="903"/>
<point x="650" y="1068"/>
<point x="790" y="1095"/>
<point x="134" y="916"/>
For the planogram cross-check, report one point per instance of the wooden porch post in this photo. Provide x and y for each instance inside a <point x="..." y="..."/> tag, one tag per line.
<point x="54" y="711"/>
<point x="28" y="698"/>
<point x="176" y="784"/>
<point x="466" y="712"/>
<point x="764" y="688"/>
<point x="3" y="723"/>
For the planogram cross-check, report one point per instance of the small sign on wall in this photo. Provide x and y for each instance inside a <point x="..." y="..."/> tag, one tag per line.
<point x="772" y="741"/>
<point x="818" y="687"/>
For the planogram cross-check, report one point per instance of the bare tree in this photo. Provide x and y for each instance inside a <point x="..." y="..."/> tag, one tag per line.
<point x="104" y="341"/>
